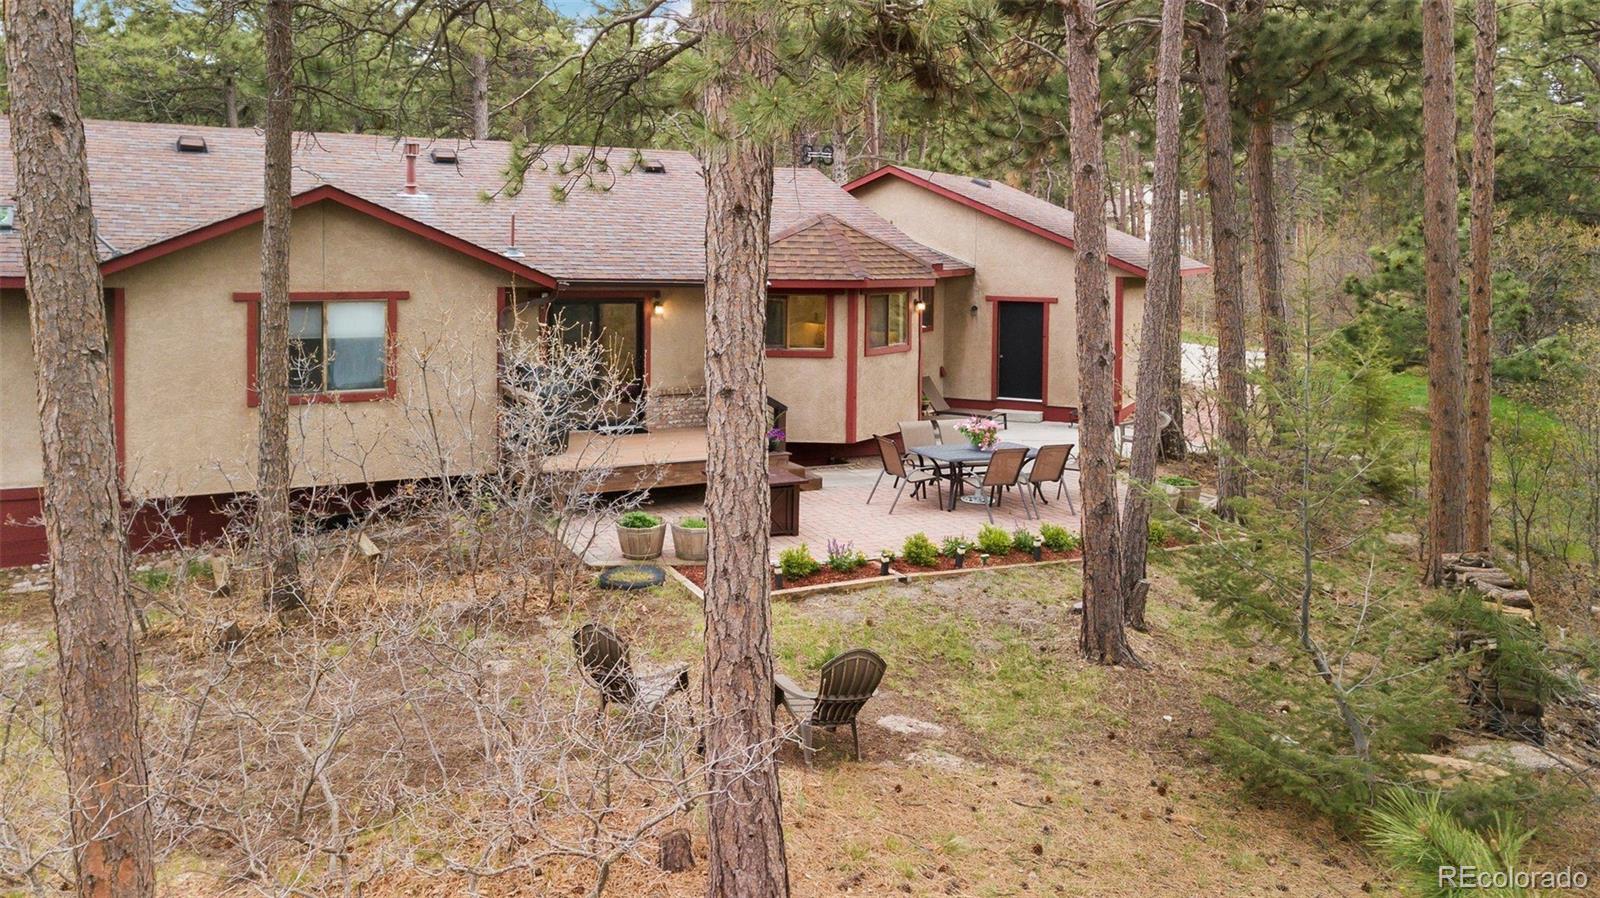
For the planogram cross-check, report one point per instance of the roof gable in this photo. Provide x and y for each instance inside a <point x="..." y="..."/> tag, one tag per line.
<point x="1025" y="211"/>
<point x="823" y="248"/>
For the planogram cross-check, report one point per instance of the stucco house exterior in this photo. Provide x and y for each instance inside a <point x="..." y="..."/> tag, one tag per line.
<point x="409" y="259"/>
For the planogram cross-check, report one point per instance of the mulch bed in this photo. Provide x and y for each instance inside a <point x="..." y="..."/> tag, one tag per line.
<point x="697" y="576"/>
<point x="973" y="563"/>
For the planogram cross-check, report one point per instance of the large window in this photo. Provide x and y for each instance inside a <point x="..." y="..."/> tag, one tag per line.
<point x="338" y="346"/>
<point x="887" y="315"/>
<point x="798" y="322"/>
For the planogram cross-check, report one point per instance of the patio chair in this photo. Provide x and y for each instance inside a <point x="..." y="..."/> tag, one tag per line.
<point x="847" y="681"/>
<point x="1004" y="472"/>
<point x="894" y="465"/>
<point x="1125" y="433"/>
<point x="1050" y="466"/>
<point x="919" y="433"/>
<point x="938" y="408"/>
<point x="604" y="659"/>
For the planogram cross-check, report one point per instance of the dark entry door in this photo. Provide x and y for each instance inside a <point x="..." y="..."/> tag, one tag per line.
<point x="617" y="324"/>
<point x="1019" y="351"/>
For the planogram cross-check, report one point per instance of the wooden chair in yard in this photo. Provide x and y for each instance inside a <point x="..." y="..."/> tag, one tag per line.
<point x="847" y="681"/>
<point x="1050" y="466"/>
<point x="604" y="659"/>
<point x="894" y="465"/>
<point x="938" y="408"/>
<point x="1005" y="471"/>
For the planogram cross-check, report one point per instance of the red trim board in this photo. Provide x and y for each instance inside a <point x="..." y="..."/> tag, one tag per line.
<point x="852" y="364"/>
<point x="1043" y="402"/>
<point x="316" y="195"/>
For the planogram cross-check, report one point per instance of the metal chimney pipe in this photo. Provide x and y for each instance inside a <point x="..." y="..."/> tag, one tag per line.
<point x="412" y="151"/>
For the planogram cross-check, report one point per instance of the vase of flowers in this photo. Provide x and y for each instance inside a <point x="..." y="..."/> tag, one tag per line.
<point x="982" y="433"/>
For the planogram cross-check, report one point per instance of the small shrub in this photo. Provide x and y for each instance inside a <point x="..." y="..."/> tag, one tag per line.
<point x="1023" y="540"/>
<point x="843" y="556"/>
<point x="797" y="563"/>
<point x="920" y="551"/>
<point x="693" y="523"/>
<point x="638" y="520"/>
<point x="953" y="544"/>
<point x="1057" y="538"/>
<point x="993" y="540"/>
<point x="1160" y="532"/>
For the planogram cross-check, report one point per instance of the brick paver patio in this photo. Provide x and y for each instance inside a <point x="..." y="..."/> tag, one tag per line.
<point x="839" y="511"/>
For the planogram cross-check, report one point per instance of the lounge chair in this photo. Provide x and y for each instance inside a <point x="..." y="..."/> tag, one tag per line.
<point x="847" y="681"/>
<point x="1005" y="471"/>
<point x="604" y="658"/>
<point x="894" y="465"/>
<point x="938" y="408"/>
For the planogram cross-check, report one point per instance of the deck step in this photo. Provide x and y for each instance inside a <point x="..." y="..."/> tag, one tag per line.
<point x="1024" y="417"/>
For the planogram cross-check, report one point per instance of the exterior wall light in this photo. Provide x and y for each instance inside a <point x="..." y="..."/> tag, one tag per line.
<point x="922" y="306"/>
<point x="659" y="309"/>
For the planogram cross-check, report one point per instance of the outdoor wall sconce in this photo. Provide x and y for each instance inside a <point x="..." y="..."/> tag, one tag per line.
<point x="659" y="309"/>
<point x="973" y="310"/>
<point x="922" y="305"/>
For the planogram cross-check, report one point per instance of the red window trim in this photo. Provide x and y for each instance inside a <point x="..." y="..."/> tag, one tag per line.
<point x="866" y="335"/>
<point x="1048" y="299"/>
<point x="253" y="344"/>
<point x="826" y="352"/>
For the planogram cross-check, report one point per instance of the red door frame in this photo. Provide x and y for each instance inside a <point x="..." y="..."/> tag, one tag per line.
<point x="994" y="349"/>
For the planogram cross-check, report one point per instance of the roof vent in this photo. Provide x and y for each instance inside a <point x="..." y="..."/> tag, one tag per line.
<point x="653" y="167"/>
<point x="192" y="143"/>
<point x="443" y="156"/>
<point x="981" y="182"/>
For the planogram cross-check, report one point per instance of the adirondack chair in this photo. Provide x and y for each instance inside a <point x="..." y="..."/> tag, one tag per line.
<point x="847" y="681"/>
<point x="604" y="659"/>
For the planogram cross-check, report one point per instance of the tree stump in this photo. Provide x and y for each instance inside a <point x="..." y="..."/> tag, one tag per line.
<point x="677" y="851"/>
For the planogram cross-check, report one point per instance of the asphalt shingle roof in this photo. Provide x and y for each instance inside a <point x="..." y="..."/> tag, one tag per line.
<point x="824" y="248"/>
<point x="619" y="224"/>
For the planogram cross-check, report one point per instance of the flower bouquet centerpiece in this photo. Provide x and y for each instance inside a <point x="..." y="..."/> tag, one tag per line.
<point x="982" y="433"/>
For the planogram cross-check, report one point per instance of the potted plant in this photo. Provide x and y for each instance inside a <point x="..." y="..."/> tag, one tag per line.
<point x="1188" y="491"/>
<point x="689" y="539"/>
<point x="982" y="433"/>
<point x="641" y="535"/>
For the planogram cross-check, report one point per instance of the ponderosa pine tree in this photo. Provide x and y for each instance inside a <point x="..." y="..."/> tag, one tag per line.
<point x="1447" y="456"/>
<point x="1161" y="310"/>
<point x="274" y="526"/>
<point x="1211" y="53"/>
<point x="102" y="751"/>
<point x="1479" y="311"/>
<point x="744" y="835"/>
<point x="1103" y="638"/>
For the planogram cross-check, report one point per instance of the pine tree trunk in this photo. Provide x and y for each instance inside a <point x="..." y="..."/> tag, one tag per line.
<point x="479" y="67"/>
<point x="230" y="102"/>
<point x="1268" y="243"/>
<point x="1161" y="309"/>
<point x="1479" y="376"/>
<point x="103" y="753"/>
<point x="273" y="523"/>
<point x="1102" y="639"/>
<point x="1211" y="50"/>
<point x="744" y="837"/>
<point x="1447" y="458"/>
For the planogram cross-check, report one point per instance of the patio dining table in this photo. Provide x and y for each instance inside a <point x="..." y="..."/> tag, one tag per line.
<point x="957" y="458"/>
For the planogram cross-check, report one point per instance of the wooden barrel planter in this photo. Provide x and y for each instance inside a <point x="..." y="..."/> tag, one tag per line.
<point x="690" y="543"/>
<point x="641" y="535"/>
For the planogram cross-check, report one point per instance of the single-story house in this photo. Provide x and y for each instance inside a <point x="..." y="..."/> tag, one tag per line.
<point x="409" y="258"/>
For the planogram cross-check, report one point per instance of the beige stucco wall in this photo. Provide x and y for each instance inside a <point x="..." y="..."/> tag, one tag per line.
<point x="189" y="427"/>
<point x="21" y="461"/>
<point x="678" y="339"/>
<point x="889" y="385"/>
<point x="814" y="388"/>
<point x="1007" y="261"/>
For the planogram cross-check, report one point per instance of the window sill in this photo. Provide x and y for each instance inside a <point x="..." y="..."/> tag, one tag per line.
<point x="337" y="398"/>
<point x="800" y="353"/>
<point x="891" y="349"/>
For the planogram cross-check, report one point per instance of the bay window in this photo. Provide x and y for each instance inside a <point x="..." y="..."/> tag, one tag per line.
<point x="797" y="322"/>
<point x="887" y="318"/>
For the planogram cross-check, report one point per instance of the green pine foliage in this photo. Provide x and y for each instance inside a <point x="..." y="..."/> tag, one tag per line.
<point x="1421" y="836"/>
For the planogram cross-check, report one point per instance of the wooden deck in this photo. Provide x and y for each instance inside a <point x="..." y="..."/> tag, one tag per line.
<point x="674" y="456"/>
